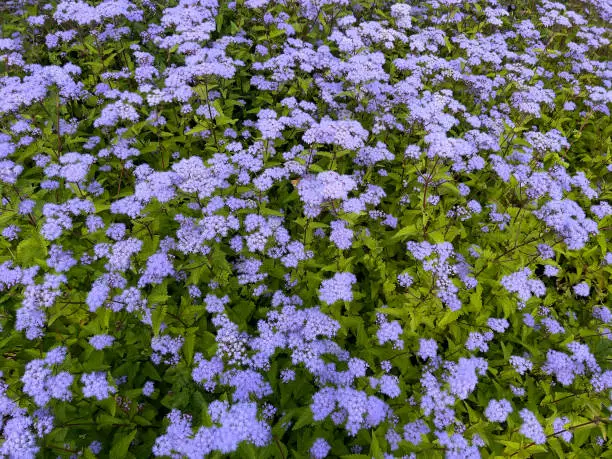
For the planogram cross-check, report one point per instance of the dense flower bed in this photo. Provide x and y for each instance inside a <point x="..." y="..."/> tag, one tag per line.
<point x="305" y="228"/>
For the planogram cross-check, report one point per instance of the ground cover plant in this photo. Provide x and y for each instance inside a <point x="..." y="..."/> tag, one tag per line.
<point x="305" y="228"/>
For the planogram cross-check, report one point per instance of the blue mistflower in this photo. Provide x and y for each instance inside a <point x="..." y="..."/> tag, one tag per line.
<point x="428" y="349"/>
<point x="413" y="431"/>
<point x="581" y="289"/>
<point x="338" y="288"/>
<point x="320" y="449"/>
<point x="531" y="428"/>
<point x="390" y="331"/>
<point x="560" y="430"/>
<point x="148" y="388"/>
<point x="340" y="235"/>
<point x="96" y="385"/>
<point x="498" y="410"/>
<point x="404" y="280"/>
<point x="498" y="325"/>
<point x="101" y="341"/>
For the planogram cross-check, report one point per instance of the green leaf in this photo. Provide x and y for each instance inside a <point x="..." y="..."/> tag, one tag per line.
<point x="304" y="419"/>
<point x="121" y="443"/>
<point x="448" y="318"/>
<point x="30" y="249"/>
<point x="158" y="316"/>
<point x="405" y="232"/>
<point x="375" y="451"/>
<point x="190" y="337"/>
<point x="104" y="419"/>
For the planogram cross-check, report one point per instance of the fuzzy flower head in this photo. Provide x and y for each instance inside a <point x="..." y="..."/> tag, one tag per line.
<point x="531" y="427"/>
<point x="581" y="289"/>
<point x="338" y="288"/>
<point x="148" y="388"/>
<point x="96" y="385"/>
<point x="320" y="449"/>
<point x="389" y="331"/>
<point x="498" y="325"/>
<point x="325" y="186"/>
<point x="101" y="341"/>
<point x="519" y="283"/>
<point x="498" y="410"/>
<point x="428" y="349"/>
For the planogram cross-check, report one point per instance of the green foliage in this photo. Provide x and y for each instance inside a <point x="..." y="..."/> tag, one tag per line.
<point x="128" y="423"/>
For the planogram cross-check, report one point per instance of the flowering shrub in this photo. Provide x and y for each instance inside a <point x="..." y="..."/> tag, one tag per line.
<point x="305" y="228"/>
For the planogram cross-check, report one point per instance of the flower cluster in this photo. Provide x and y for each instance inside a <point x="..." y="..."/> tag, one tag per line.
<point x="316" y="228"/>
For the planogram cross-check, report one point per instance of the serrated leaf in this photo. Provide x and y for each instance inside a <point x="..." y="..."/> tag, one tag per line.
<point x="189" y="344"/>
<point x="448" y="318"/>
<point x="30" y="249"/>
<point x="304" y="419"/>
<point x="405" y="232"/>
<point x="121" y="443"/>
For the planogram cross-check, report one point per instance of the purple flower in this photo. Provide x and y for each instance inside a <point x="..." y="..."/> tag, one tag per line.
<point x="341" y="235"/>
<point x="164" y="345"/>
<point x="520" y="364"/>
<point x="550" y="270"/>
<point x="326" y="186"/>
<point x="463" y="376"/>
<point x="531" y="428"/>
<point x="26" y="206"/>
<point x="602" y="210"/>
<point x="11" y="232"/>
<point x="560" y="430"/>
<point x="565" y="367"/>
<point x="59" y="259"/>
<point x="520" y="283"/>
<point x="158" y="267"/>
<point x="148" y="388"/>
<point x="478" y="341"/>
<point x="602" y="313"/>
<point x="401" y="13"/>
<point x="19" y="440"/>
<point x="207" y="371"/>
<point x="498" y="325"/>
<point x="96" y="385"/>
<point x="348" y="134"/>
<point x="390" y="331"/>
<point x="568" y="219"/>
<point x="404" y="280"/>
<point x="320" y="449"/>
<point x="518" y="391"/>
<point x="95" y="447"/>
<point x="393" y="438"/>
<point x="552" y="325"/>
<point x="428" y="349"/>
<point x="246" y="383"/>
<point x="582" y="289"/>
<point x="94" y="223"/>
<point x="389" y="385"/>
<point x="360" y="409"/>
<point x="498" y="411"/>
<point x="41" y="384"/>
<point x="413" y="431"/>
<point x="338" y="288"/>
<point x="99" y="342"/>
<point x="116" y="231"/>
<point x="546" y="252"/>
<point x="287" y="375"/>
<point x="232" y="425"/>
